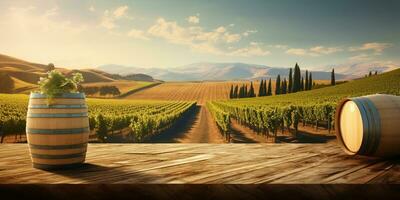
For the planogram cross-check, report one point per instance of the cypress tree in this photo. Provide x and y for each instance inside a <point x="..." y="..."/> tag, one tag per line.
<point x="306" y="83"/>
<point x="310" y="82"/>
<point x="284" y="86"/>
<point x="251" y="90"/>
<point x="241" y="90"/>
<point x="278" y="85"/>
<point x="290" y="81"/>
<point x="245" y="91"/>
<point x="333" y="82"/>
<point x="265" y="92"/>
<point x="302" y="84"/>
<point x="370" y="73"/>
<point x="269" y="90"/>
<point x="296" y="78"/>
<point x="231" y="92"/>
<point x="235" y="92"/>
<point x="260" y="89"/>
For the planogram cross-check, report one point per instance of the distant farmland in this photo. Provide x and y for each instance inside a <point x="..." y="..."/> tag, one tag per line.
<point x="192" y="91"/>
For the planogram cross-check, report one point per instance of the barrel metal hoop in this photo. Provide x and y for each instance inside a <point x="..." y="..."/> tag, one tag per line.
<point x="375" y="131"/>
<point x="58" y="131"/>
<point x="63" y="156"/>
<point x="365" y="122"/>
<point x="57" y="115"/>
<point x="58" y="147"/>
<point x="58" y="106"/>
<point x="62" y="96"/>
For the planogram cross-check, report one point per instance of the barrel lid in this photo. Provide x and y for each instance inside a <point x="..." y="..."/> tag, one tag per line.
<point x="357" y="124"/>
<point x="77" y="95"/>
<point x="351" y="126"/>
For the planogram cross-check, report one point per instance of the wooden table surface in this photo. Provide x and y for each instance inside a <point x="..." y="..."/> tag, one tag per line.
<point x="205" y="163"/>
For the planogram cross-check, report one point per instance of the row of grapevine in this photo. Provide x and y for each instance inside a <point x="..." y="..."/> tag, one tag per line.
<point x="267" y="115"/>
<point x="222" y="119"/>
<point x="141" y="117"/>
<point x="142" y="122"/>
<point x="268" y="119"/>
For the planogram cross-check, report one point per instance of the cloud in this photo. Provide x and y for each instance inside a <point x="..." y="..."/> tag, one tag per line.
<point x="200" y="40"/>
<point x="279" y="46"/>
<point x="297" y="52"/>
<point x="171" y="31"/>
<point x="313" y="51"/>
<point x="253" y="50"/>
<point x="137" y="34"/>
<point x="377" y="47"/>
<point x="193" y="19"/>
<point x="230" y="38"/>
<point x="325" y="50"/>
<point x="120" y="11"/>
<point x="248" y="32"/>
<point x="174" y="33"/>
<point x="109" y="18"/>
<point x="26" y="19"/>
<point x="361" y="57"/>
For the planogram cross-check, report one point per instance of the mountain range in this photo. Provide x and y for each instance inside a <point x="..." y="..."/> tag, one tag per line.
<point x="242" y="71"/>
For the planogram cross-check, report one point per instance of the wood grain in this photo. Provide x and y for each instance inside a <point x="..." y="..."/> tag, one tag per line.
<point x="205" y="163"/>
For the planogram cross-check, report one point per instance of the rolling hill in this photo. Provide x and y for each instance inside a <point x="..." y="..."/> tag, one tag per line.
<point x="25" y="75"/>
<point x="214" y="71"/>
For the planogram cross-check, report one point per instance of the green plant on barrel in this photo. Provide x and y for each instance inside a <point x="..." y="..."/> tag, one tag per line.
<point x="56" y="83"/>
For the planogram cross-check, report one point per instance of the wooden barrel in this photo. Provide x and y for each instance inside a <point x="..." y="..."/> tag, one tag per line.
<point x="369" y="125"/>
<point x="58" y="132"/>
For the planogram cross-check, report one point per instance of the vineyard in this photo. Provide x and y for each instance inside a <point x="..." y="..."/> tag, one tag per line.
<point x="142" y="118"/>
<point x="192" y="91"/>
<point x="267" y="115"/>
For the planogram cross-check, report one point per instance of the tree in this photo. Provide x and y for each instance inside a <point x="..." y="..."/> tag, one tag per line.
<point x="265" y="92"/>
<point x="302" y="84"/>
<point x="296" y="78"/>
<point x="231" y="92"/>
<point x="284" y="86"/>
<point x="240" y="92"/>
<point x="290" y="81"/>
<point x="235" y="92"/>
<point x="310" y="82"/>
<point x="6" y="83"/>
<point x="333" y="82"/>
<point x="370" y="73"/>
<point x="251" y="91"/>
<point x="269" y="90"/>
<point x="245" y="92"/>
<point x="278" y="85"/>
<point x="261" y="89"/>
<point x="376" y="72"/>
<point x="50" y="67"/>
<point x="306" y="83"/>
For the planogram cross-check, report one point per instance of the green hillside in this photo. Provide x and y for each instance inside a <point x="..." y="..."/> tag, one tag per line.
<point x="273" y="112"/>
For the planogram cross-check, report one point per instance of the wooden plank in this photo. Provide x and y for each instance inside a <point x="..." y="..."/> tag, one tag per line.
<point x="205" y="163"/>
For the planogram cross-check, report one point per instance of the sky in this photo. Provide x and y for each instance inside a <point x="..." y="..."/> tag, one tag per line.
<point x="159" y="33"/>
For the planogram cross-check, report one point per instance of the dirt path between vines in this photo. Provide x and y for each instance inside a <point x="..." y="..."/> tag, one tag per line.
<point x="196" y="127"/>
